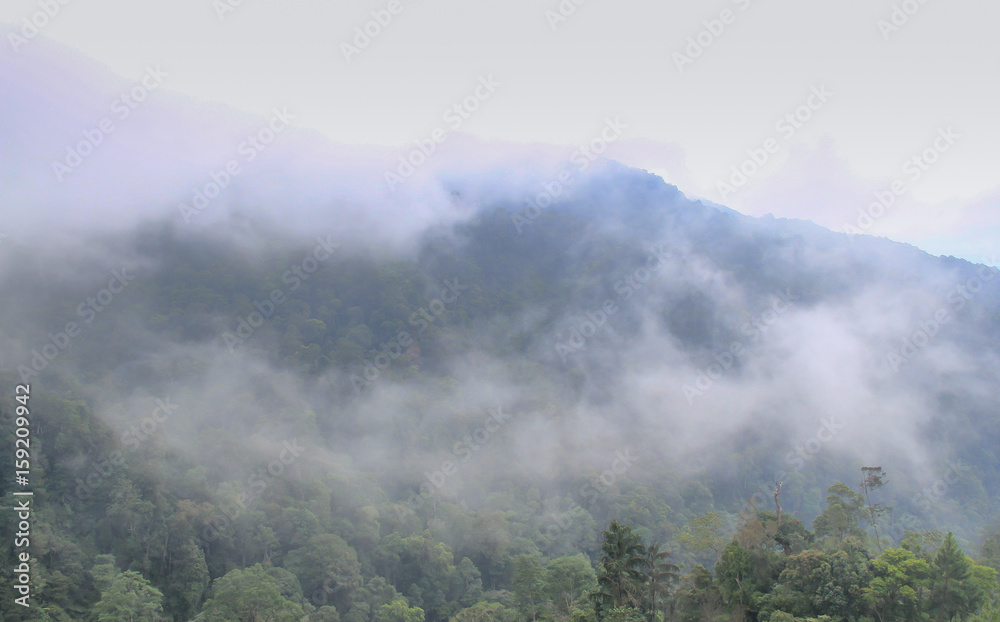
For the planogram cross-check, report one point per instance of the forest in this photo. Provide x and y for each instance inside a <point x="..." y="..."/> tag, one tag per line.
<point x="130" y="546"/>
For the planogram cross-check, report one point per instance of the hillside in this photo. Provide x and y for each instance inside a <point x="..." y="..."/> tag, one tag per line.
<point x="434" y="397"/>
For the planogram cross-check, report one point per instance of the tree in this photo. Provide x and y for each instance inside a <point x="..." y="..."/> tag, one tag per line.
<point x="399" y="611"/>
<point x="697" y="597"/>
<point x="792" y="535"/>
<point x="988" y="614"/>
<point x="567" y="579"/>
<point x="703" y="535"/>
<point x="325" y="614"/>
<point x="923" y="544"/>
<point x="873" y="478"/>
<point x="624" y="614"/>
<point x="736" y="574"/>
<point x="466" y="583"/>
<point x="486" y="612"/>
<point x="128" y="519"/>
<point x="328" y="570"/>
<point x="621" y="565"/>
<point x="104" y="572"/>
<point x="844" y="509"/>
<point x="660" y="576"/>
<point x="528" y="582"/>
<point x="989" y="554"/>
<point x="249" y="595"/>
<point x="749" y="566"/>
<point x="129" y="598"/>
<point x="288" y="584"/>
<point x="984" y="586"/>
<point x="952" y="593"/>
<point x="798" y="584"/>
<point x="843" y="577"/>
<point x="892" y="594"/>
<point x="187" y="581"/>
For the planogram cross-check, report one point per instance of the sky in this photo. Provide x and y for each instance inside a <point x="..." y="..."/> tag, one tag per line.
<point x="885" y="92"/>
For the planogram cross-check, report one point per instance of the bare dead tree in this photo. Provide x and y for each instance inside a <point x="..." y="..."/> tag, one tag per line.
<point x="777" y="502"/>
<point x="873" y="478"/>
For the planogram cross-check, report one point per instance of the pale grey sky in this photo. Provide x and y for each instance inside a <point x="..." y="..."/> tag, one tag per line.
<point x="892" y="90"/>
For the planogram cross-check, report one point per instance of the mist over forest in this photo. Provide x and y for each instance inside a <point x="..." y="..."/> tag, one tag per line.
<point x="374" y="398"/>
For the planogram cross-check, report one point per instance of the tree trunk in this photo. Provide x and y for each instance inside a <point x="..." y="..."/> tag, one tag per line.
<point x="777" y="502"/>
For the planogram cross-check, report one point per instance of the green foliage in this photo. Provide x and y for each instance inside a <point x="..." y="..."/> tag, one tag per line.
<point x="985" y="587"/>
<point x="660" y="577"/>
<point x="129" y="597"/>
<point x="697" y="597"/>
<point x="988" y="614"/>
<point x="104" y="571"/>
<point x="567" y="580"/>
<point x="620" y="574"/>
<point x="486" y="612"/>
<point x="815" y="583"/>
<point x="326" y="613"/>
<point x="989" y="554"/>
<point x="951" y="592"/>
<point x="898" y="580"/>
<point x="249" y="595"/>
<point x="528" y="581"/>
<point x="704" y="535"/>
<point x="631" y="577"/>
<point x="625" y="614"/>
<point x="738" y="577"/>
<point x="399" y="611"/>
<point x="842" y="579"/>
<point x="844" y="510"/>
<point x="187" y="581"/>
<point x="328" y="570"/>
<point x="922" y="544"/>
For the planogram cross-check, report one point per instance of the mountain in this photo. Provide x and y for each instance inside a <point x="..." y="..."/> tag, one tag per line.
<point x="494" y="359"/>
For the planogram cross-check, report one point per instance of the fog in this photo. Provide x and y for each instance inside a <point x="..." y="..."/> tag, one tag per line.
<point x="679" y="332"/>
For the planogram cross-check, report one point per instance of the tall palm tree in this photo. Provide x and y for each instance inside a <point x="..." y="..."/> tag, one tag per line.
<point x="622" y="563"/>
<point x="660" y="575"/>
